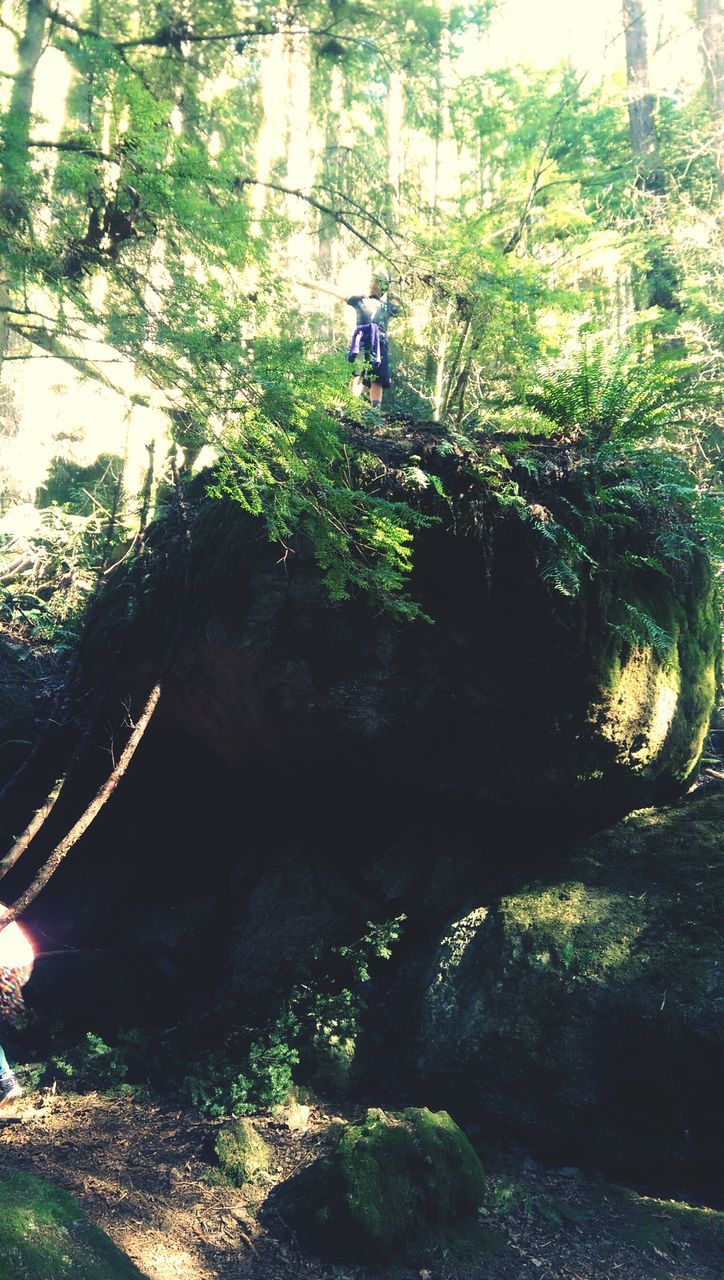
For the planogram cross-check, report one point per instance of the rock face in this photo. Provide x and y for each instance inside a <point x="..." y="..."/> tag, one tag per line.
<point x="516" y="695"/>
<point x="584" y="1012"/>
<point x="390" y="1185"/>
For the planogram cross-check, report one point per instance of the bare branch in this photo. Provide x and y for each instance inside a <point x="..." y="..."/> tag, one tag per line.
<point x="336" y="214"/>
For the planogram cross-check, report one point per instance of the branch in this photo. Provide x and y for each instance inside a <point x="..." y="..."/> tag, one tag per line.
<point x="104" y="793"/>
<point x="64" y="846"/>
<point x="316" y="204"/>
<point x="176" y="34"/>
<point x="80" y="147"/>
<point x="48" y="342"/>
<point x="540" y="168"/>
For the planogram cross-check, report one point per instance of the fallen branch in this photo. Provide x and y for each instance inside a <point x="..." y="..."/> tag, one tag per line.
<point x="63" y="848"/>
<point x="61" y="706"/>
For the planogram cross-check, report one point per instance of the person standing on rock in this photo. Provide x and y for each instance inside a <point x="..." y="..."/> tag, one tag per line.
<point x="16" y="964"/>
<point x="369" y="343"/>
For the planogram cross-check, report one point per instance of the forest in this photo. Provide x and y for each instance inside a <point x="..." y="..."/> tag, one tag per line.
<point x="361" y="738"/>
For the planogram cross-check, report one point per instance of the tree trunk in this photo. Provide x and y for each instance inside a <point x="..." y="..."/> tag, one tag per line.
<point x="394" y="120"/>
<point x="445" y="179"/>
<point x="710" y="21"/>
<point x="14" y="155"/>
<point x="641" y="102"/>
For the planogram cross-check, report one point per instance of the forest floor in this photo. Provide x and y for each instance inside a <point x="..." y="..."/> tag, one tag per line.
<point x="145" y="1173"/>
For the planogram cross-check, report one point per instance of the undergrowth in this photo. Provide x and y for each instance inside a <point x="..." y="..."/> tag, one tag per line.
<point x="241" y="1070"/>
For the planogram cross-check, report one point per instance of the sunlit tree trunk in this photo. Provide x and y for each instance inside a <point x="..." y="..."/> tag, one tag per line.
<point x="14" y="158"/>
<point x="442" y="348"/>
<point x="641" y="102"/>
<point x="710" y="21"/>
<point x="334" y="166"/>
<point x="394" y="121"/>
<point x="445" y="187"/>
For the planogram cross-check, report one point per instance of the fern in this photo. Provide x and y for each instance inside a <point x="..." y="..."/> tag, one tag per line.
<point x="641" y="629"/>
<point x="619" y="396"/>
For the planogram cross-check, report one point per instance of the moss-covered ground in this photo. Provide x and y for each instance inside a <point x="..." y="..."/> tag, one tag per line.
<point x="45" y="1235"/>
<point x="140" y="1171"/>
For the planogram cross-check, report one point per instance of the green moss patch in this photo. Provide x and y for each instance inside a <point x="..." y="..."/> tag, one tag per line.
<point x="241" y="1152"/>
<point x="44" y="1235"/>
<point x="585" y="1010"/>
<point x="395" y="1187"/>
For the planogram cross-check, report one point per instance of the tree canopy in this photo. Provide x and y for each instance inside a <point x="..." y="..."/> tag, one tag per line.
<point x="198" y="162"/>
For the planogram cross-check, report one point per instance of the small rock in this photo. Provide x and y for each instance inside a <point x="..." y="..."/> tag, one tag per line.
<point x="297" y="1117"/>
<point x="569" y="1171"/>
<point x="529" y="1164"/>
<point x="242" y="1154"/>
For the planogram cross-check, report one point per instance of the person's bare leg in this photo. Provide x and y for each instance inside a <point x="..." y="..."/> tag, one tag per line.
<point x="376" y="390"/>
<point x="356" y="385"/>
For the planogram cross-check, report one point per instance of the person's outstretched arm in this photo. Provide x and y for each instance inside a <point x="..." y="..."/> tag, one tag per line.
<point x="323" y="288"/>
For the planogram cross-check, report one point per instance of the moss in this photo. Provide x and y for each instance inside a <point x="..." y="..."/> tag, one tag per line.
<point x="655" y="700"/>
<point x="44" y="1235"/>
<point x="241" y="1152"/>
<point x="396" y="1185"/>
<point x="584" y="1011"/>
<point x="647" y="1222"/>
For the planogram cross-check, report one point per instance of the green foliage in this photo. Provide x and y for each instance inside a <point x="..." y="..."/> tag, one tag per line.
<point x="219" y="1083"/>
<point x="619" y="396"/>
<point x="330" y="1010"/>
<point x="284" y="458"/>
<point x="92" y="1064"/>
<point x="247" y="1069"/>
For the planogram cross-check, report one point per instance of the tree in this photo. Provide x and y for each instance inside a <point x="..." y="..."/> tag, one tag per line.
<point x="711" y="32"/>
<point x="641" y="101"/>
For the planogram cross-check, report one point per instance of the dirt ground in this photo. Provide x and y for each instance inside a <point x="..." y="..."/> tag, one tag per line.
<point x="146" y="1175"/>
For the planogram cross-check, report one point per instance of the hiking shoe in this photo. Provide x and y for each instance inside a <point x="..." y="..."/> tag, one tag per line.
<point x="11" y="1093"/>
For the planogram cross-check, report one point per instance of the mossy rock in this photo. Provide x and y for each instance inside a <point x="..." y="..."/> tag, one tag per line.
<point x="621" y="668"/>
<point x="45" y="1235"/>
<point x="583" y="1013"/>
<point x="242" y="1153"/>
<point x="394" y="1186"/>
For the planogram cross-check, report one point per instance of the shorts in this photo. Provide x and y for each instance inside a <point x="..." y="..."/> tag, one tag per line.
<point x="370" y="370"/>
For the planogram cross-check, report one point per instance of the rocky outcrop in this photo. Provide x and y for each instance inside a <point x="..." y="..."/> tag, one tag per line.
<point x="581" y="703"/>
<point x="583" y="1012"/>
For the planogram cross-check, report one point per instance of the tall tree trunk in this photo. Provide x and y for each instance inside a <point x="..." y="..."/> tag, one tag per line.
<point x="14" y="156"/>
<point x="710" y="21"/>
<point x="445" y="186"/>
<point x="641" y="101"/>
<point x="334" y="176"/>
<point x="394" y="119"/>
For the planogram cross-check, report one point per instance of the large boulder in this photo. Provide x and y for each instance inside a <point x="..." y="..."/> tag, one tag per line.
<point x="525" y="691"/>
<point x="583" y="1012"/>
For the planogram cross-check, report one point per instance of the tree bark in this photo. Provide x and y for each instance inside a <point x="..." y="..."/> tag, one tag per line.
<point x="641" y="101"/>
<point x="710" y="21"/>
<point x="14" y="155"/>
<point x="446" y="177"/>
<point x="394" y="119"/>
